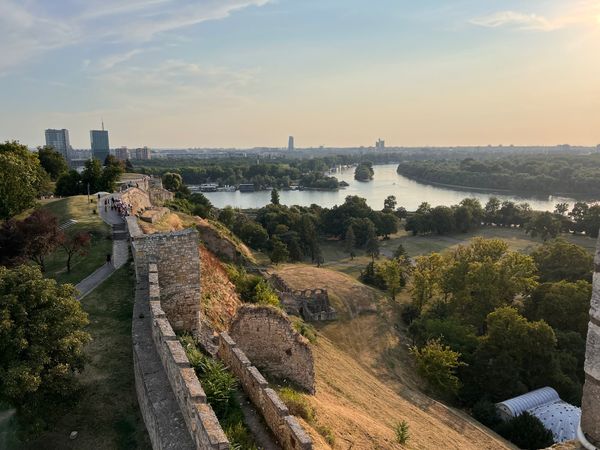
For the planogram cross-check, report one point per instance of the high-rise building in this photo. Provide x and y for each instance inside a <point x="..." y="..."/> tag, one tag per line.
<point x="122" y="153"/>
<point x="59" y="140"/>
<point x="140" y="153"/>
<point x="380" y="144"/>
<point x="291" y="143"/>
<point x="100" y="146"/>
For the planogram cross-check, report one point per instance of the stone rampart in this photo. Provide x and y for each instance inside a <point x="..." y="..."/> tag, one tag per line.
<point x="268" y="338"/>
<point x="199" y="417"/>
<point x="590" y="404"/>
<point x="285" y="427"/>
<point x="137" y="198"/>
<point x="178" y="260"/>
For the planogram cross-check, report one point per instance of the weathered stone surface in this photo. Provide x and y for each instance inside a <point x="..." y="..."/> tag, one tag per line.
<point x="590" y="410"/>
<point x="592" y="352"/>
<point x="595" y="302"/>
<point x="269" y="340"/>
<point x="178" y="264"/>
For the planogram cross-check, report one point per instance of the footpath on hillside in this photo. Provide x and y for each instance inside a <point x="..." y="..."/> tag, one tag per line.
<point x="120" y="247"/>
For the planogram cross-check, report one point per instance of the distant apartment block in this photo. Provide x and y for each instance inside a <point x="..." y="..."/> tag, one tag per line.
<point x="140" y="153"/>
<point x="59" y="140"/>
<point x="100" y="145"/>
<point x="380" y="144"/>
<point x="122" y="154"/>
<point x="291" y="143"/>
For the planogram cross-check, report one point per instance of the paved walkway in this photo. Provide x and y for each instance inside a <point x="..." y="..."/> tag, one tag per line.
<point x="120" y="249"/>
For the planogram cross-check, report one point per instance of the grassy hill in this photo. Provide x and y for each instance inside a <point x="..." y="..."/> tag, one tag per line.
<point x="365" y="378"/>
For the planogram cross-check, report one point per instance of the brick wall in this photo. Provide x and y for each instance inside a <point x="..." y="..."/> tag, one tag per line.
<point x="285" y="427"/>
<point x="268" y="338"/>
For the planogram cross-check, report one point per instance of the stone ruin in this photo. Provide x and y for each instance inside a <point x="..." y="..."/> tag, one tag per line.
<point x="312" y="305"/>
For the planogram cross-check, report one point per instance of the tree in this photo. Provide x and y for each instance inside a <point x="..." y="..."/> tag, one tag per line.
<point x="227" y="216"/>
<point x="69" y="183"/>
<point x="400" y="252"/>
<point x="438" y="364"/>
<point x="563" y="305"/>
<point x="52" y="162"/>
<point x="41" y="342"/>
<point x="364" y="171"/>
<point x="389" y="204"/>
<point x="526" y="432"/>
<point x="561" y="209"/>
<point x="558" y="260"/>
<point x="21" y="178"/>
<point x="275" y="196"/>
<point x="279" y="253"/>
<point x="394" y="275"/>
<point x="91" y="177"/>
<point x="442" y="220"/>
<point x="41" y="234"/>
<point x="12" y="244"/>
<point x="350" y="242"/>
<point x="426" y="281"/>
<point x="543" y="224"/>
<point x="172" y="181"/>
<point x="129" y="166"/>
<point x="77" y="244"/>
<point x="387" y="224"/>
<point x="491" y="209"/>
<point x="372" y="244"/>
<point x="110" y="174"/>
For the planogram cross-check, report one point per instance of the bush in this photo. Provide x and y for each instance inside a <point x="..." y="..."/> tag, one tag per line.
<point x="409" y="313"/>
<point x="305" y="329"/>
<point x="402" y="432"/>
<point x="526" y="432"/>
<point x="437" y="364"/>
<point x="297" y="404"/>
<point x="485" y="412"/>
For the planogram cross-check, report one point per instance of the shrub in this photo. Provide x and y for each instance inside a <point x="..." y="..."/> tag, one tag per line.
<point x="305" y="329"/>
<point x="402" y="432"/>
<point x="485" y="412"/>
<point x="437" y="363"/>
<point x="409" y="313"/>
<point x="297" y="404"/>
<point x="526" y="432"/>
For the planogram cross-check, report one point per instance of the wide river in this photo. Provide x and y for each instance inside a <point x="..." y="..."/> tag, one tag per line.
<point x="409" y="194"/>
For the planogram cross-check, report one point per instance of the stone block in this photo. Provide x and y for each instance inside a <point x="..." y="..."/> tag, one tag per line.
<point x="590" y="411"/>
<point x="298" y="438"/>
<point x="177" y="354"/>
<point x="192" y="385"/>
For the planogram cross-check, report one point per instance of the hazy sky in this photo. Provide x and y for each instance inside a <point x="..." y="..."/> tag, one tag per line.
<point x="224" y="73"/>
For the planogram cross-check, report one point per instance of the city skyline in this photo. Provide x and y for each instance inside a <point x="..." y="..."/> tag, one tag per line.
<point x="246" y="73"/>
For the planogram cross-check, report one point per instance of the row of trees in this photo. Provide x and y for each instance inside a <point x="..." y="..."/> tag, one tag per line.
<point x="94" y="178"/>
<point x="292" y="233"/>
<point x="469" y="214"/>
<point x="575" y="174"/>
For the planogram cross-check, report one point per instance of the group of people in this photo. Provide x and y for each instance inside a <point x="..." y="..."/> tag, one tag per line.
<point x="116" y="204"/>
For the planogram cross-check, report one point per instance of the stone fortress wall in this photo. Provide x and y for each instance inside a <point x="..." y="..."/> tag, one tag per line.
<point x="284" y="426"/>
<point x="171" y="398"/>
<point x="268" y="338"/>
<point x="589" y="432"/>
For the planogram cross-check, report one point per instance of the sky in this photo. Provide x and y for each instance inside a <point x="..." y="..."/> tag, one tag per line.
<point x="246" y="73"/>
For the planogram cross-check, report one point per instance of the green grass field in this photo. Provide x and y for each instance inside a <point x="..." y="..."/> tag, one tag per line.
<point x="337" y="259"/>
<point x="107" y="415"/>
<point x="79" y="209"/>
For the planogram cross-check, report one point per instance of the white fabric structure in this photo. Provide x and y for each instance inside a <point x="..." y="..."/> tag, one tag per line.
<point x="560" y="417"/>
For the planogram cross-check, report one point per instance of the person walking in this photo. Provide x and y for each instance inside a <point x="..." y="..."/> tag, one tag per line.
<point x="108" y="257"/>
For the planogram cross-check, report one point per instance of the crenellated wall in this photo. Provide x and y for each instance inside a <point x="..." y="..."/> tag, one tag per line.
<point x="590" y="404"/>
<point x="267" y="336"/>
<point x="285" y="427"/>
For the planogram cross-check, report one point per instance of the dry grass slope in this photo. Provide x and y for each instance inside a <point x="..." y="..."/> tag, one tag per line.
<point x="365" y="382"/>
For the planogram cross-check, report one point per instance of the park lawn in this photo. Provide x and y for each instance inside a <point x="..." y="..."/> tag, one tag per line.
<point x="107" y="415"/>
<point x="79" y="209"/>
<point x="337" y="259"/>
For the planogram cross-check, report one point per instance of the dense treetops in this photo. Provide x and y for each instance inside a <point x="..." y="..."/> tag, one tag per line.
<point x="364" y="171"/>
<point x="21" y="181"/>
<point x="573" y="174"/>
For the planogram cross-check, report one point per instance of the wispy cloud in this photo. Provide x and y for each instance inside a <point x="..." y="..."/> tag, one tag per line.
<point x="572" y="13"/>
<point x="516" y="19"/>
<point x="31" y="28"/>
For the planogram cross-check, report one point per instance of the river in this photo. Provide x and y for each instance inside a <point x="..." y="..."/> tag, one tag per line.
<point x="409" y="194"/>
